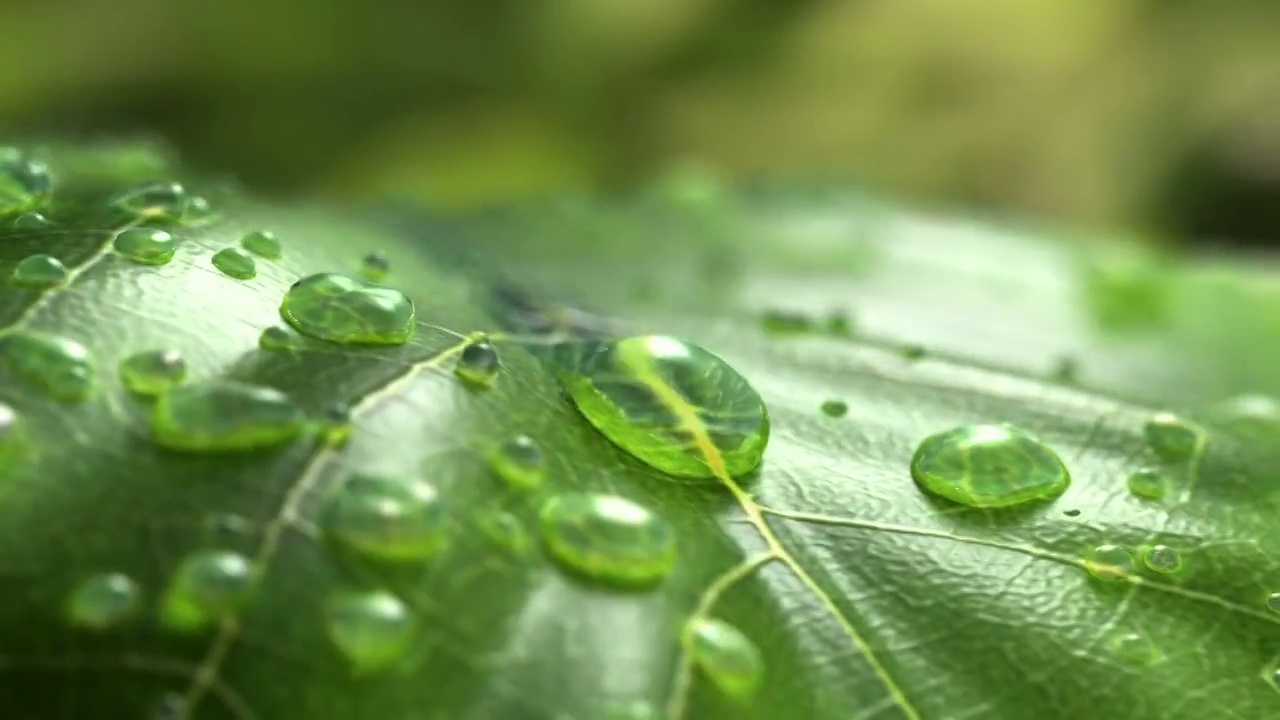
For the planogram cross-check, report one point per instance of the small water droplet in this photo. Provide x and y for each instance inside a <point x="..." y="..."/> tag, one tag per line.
<point x="727" y="657"/>
<point x="386" y="518"/>
<point x="151" y="372"/>
<point x="235" y="263"/>
<point x="263" y="243"/>
<point x="159" y="201"/>
<point x="1171" y="438"/>
<point x="506" y="531"/>
<point x="988" y="466"/>
<point x="668" y="403"/>
<point x="835" y="408"/>
<point x="1148" y="483"/>
<point x="278" y="339"/>
<point x="343" y="310"/>
<point x="520" y="462"/>
<point x="39" y="271"/>
<point x="912" y="351"/>
<point x="1162" y="559"/>
<point x="335" y="426"/>
<point x="221" y="415"/>
<point x="31" y="221"/>
<point x="1109" y="562"/>
<point x="1071" y="513"/>
<point x="206" y="586"/>
<point x="103" y="601"/>
<point x="375" y="266"/>
<point x="146" y="246"/>
<point x="478" y="364"/>
<point x="608" y="538"/>
<point x="1133" y="647"/>
<point x="372" y="629"/>
<point x="1273" y="601"/>
<point x="59" y="366"/>
<point x="23" y="181"/>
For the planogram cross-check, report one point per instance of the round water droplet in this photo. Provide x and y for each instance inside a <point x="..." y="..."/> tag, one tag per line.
<point x="1148" y="483"/>
<point x="278" y="339"/>
<point x="520" y="462"/>
<point x="343" y="310"/>
<point x="103" y="601"/>
<point x="146" y="246"/>
<point x="1273" y="601"/>
<point x="506" y="531"/>
<point x="386" y="518"/>
<point x="672" y="405"/>
<point x="23" y="181"/>
<point x="335" y="426"/>
<point x="727" y="657"/>
<point x="206" y="586"/>
<point x="375" y="266"/>
<point x="372" y="629"/>
<point x="1171" y="438"/>
<point x="31" y="221"/>
<point x="151" y="372"/>
<point x="263" y="243"/>
<point x="988" y="466"/>
<point x="608" y="538"/>
<point x="1109" y="562"/>
<point x="478" y="364"/>
<point x="59" y="366"/>
<point x="1133" y="647"/>
<point x="235" y="263"/>
<point x="221" y="416"/>
<point x="160" y="201"/>
<point x="835" y="408"/>
<point x="1162" y="559"/>
<point x="39" y="271"/>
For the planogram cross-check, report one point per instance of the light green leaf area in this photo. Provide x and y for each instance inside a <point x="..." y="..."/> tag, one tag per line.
<point x="837" y="587"/>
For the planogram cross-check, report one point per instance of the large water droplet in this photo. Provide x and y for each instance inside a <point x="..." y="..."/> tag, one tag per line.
<point x="375" y="266"/>
<point x="151" y="372"/>
<point x="386" y="518"/>
<point x="988" y="466"/>
<point x="608" y="538"/>
<point x="727" y="657"/>
<point x="520" y="462"/>
<point x="343" y="310"/>
<point x="672" y="405"/>
<point x="23" y="181"/>
<point x="31" y="221"/>
<point x="1109" y="562"/>
<point x="59" y="366"/>
<point x="39" y="271"/>
<point x="1148" y="483"/>
<point x="477" y="364"/>
<point x="835" y="408"/>
<point x="235" y="263"/>
<point x="223" y="416"/>
<point x="1162" y="559"/>
<point x="161" y="201"/>
<point x="1171" y="438"/>
<point x="146" y="246"/>
<point x="278" y="339"/>
<point x="372" y="629"/>
<point x="100" y="602"/>
<point x="263" y="243"/>
<point x="206" y="586"/>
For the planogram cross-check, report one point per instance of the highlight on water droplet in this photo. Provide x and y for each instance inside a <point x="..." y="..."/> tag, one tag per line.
<point x="235" y="263"/>
<point x="223" y="415"/>
<point x="477" y="364"/>
<point x="726" y="657"/>
<point x="39" y="271"/>
<point x="519" y="461"/>
<point x="344" y="310"/>
<point x="989" y="466"/>
<point x="1149" y="483"/>
<point x="607" y="538"/>
<point x="145" y="246"/>
<point x="151" y="372"/>
<point x="263" y="243"/>
<point x="24" y="181"/>
<point x="205" y="587"/>
<point x="1162" y="559"/>
<point x="1109" y="562"/>
<point x="103" y="601"/>
<point x="278" y="339"/>
<point x="835" y="408"/>
<point x="385" y="518"/>
<point x="372" y="629"/>
<point x="1171" y="438"/>
<point x="61" y="367"/>
<point x="375" y="266"/>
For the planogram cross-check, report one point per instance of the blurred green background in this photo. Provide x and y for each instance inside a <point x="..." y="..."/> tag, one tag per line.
<point x="1160" y="115"/>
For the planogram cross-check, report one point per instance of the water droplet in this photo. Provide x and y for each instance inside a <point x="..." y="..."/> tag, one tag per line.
<point x="1171" y="438"/>
<point x="672" y="405"/>
<point x="386" y="518"/>
<point x="343" y="310"/>
<point x="372" y="629"/>
<point x="988" y="466"/>
<point x="335" y="426"/>
<point x="236" y="263"/>
<point x="146" y="246"/>
<point x="30" y="221"/>
<point x="276" y="338"/>
<point x="727" y="657"/>
<point x="161" y="201"/>
<point x="1133" y="647"/>
<point x="786" y="321"/>
<point x="520" y="462"/>
<point x="100" y="602"/>
<point x="608" y="538"/>
<point x="39" y="271"/>
<point x="206" y="586"/>
<point x="478" y="364"/>
<point x="1071" y="513"/>
<point x="1273" y="601"/>
<point x="60" y="366"/>
<point x="1109" y="562"/>
<point x="1162" y="559"/>
<point x="23" y="181"/>
<point x="151" y="372"/>
<point x="1148" y="483"/>
<point x="835" y="408"/>
<point x="198" y="211"/>
<point x="263" y="243"/>
<point x="375" y="266"/>
<point x="224" y="415"/>
<point x="506" y="531"/>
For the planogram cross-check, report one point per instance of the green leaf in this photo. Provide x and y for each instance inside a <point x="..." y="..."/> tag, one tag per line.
<point x="825" y="585"/>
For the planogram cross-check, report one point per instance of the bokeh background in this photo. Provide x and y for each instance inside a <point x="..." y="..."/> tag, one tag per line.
<point x="1156" y="115"/>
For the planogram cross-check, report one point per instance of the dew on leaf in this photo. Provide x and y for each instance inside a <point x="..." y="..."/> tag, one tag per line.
<point x="477" y="364"/>
<point x="278" y="339"/>
<point x="1149" y="483"/>
<point x="30" y="221"/>
<point x="39" y="271"/>
<point x="145" y="246"/>
<point x="607" y="538"/>
<point x="835" y="408"/>
<point x="727" y="657"/>
<point x="344" y="310"/>
<point x="151" y="372"/>
<point x="672" y="405"/>
<point x="1162" y="559"/>
<point x="223" y="415"/>
<point x="263" y="243"/>
<point x="235" y="263"/>
<point x="519" y="461"/>
<point x="207" y="585"/>
<point x="59" y="366"/>
<point x="1273" y="601"/>
<point x="335" y="426"/>
<point x="372" y="629"/>
<point x="162" y="201"/>
<point x="375" y="266"/>
<point x="103" y="601"/>
<point x="1133" y="647"/>
<point x="1109" y="562"/>
<point x="198" y="210"/>
<point x="988" y="466"/>
<point x="23" y="181"/>
<point x="386" y="518"/>
<point x="507" y="531"/>
<point x="1170" y="437"/>
<point x="1071" y="513"/>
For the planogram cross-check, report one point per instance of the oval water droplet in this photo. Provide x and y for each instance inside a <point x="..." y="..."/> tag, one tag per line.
<point x="1148" y="483"/>
<point x="835" y="408"/>
<point x="278" y="339"/>
<point x="146" y="246"/>
<point x="608" y="538"/>
<point x="206" y="586"/>
<point x="263" y="243"/>
<point x="235" y="263"/>
<point x="375" y="266"/>
<point x="23" y="181"/>
<point x="1170" y="437"/>
<point x="1273" y="601"/>
<point x="1162" y="559"/>
<point x="1109" y="562"/>
<point x="101" y="602"/>
<point x="507" y="531"/>
<point x="160" y="201"/>
<point x="727" y="657"/>
<point x="520" y="462"/>
<point x="372" y="629"/>
<point x="672" y="405"/>
<point x="31" y="221"/>
<point x="59" y="366"/>
<point x="988" y="466"/>
<point x="477" y="364"/>
<point x="221" y="415"/>
<point x="394" y="519"/>
<point x="39" y="271"/>
<point x="343" y="310"/>
<point x="151" y="372"/>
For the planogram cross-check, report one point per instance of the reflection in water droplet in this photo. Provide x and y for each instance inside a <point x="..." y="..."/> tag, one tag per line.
<point x="100" y="602"/>
<point x="39" y="271"/>
<point x="1162" y="559"/>
<point x="151" y="372"/>
<point x="386" y="518"/>
<point x="59" y="366"/>
<point x="263" y="243"/>
<point x="1148" y="483"/>
<point x="727" y="657"/>
<point x="520" y="462"/>
<point x="1109" y="562"/>
<point x="608" y="538"/>
<point x="835" y="408"/>
<point x="206" y="586"/>
<point x="478" y="364"/>
<point x="217" y="416"/>
<point x="343" y="310"/>
<point x="145" y="246"/>
<point x="1171" y="438"/>
<point x="235" y="263"/>
<point x="23" y="181"/>
<point x="988" y="466"/>
<point x="278" y="339"/>
<point x="372" y="629"/>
